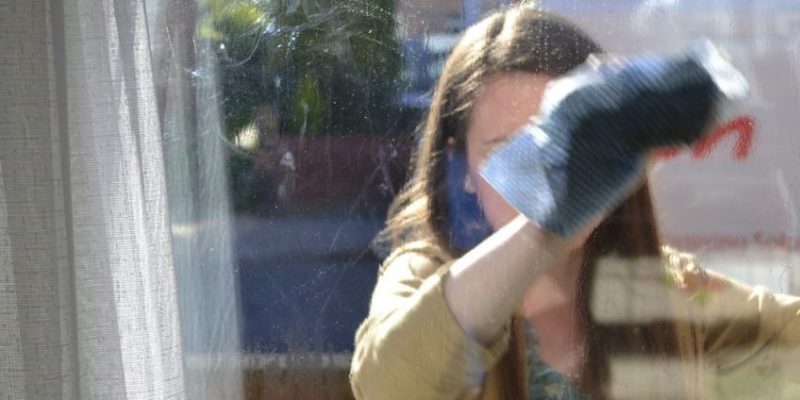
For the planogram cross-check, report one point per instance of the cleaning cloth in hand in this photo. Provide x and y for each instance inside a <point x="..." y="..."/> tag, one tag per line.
<point x="585" y="150"/>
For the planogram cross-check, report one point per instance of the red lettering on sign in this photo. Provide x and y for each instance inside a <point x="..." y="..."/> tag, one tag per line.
<point x="742" y="127"/>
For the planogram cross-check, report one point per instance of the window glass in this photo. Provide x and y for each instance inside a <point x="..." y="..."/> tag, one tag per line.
<point x="289" y="127"/>
<point x="283" y="199"/>
<point x="733" y="198"/>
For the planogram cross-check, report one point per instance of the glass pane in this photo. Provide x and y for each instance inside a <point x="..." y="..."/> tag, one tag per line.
<point x="334" y="231"/>
<point x="290" y="126"/>
<point x="732" y="198"/>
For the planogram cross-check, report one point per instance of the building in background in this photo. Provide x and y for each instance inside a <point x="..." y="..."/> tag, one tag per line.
<point x="427" y="31"/>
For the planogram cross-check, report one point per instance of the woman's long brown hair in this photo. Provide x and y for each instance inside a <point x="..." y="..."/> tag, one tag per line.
<point x="524" y="40"/>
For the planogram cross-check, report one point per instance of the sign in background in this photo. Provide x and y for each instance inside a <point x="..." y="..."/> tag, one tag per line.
<point x="733" y="198"/>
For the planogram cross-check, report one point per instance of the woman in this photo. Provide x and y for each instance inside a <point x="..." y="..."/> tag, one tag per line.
<point x="522" y="313"/>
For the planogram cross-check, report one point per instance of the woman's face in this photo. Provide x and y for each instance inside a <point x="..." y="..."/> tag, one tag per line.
<point x="504" y="103"/>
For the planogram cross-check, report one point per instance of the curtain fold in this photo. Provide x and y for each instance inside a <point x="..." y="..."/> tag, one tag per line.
<point x="185" y="70"/>
<point x="88" y="302"/>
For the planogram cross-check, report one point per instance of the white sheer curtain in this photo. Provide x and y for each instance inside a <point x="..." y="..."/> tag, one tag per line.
<point x="88" y="303"/>
<point x="188" y="97"/>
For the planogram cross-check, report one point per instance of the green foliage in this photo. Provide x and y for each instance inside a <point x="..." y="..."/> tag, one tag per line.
<point x="329" y="66"/>
<point x="308" y="108"/>
<point x="231" y="18"/>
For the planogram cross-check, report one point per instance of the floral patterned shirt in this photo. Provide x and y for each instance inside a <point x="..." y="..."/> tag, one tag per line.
<point x="544" y="382"/>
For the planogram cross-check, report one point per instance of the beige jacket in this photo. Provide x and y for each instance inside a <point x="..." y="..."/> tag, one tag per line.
<point x="746" y="340"/>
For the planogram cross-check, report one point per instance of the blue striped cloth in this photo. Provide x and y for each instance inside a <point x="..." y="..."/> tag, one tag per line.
<point x="587" y="147"/>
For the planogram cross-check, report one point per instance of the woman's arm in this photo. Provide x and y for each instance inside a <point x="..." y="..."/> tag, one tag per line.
<point x="434" y="330"/>
<point x="485" y="286"/>
<point x="750" y="328"/>
<point x="750" y="337"/>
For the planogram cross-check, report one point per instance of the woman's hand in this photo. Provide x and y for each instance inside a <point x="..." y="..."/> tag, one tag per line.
<point x="587" y="149"/>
